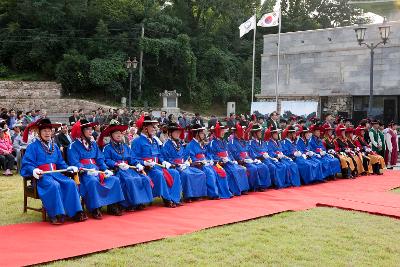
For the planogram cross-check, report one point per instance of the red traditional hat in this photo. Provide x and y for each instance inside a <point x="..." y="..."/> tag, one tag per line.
<point x="267" y="134"/>
<point x="289" y="129"/>
<point x="339" y="129"/>
<point x="109" y="130"/>
<point x="39" y="124"/>
<point x="349" y="130"/>
<point x="239" y="131"/>
<point x="359" y="129"/>
<point x="315" y="127"/>
<point x="76" y="131"/>
<point x="144" y="120"/>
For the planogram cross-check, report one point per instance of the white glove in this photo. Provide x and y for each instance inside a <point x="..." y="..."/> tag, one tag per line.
<point x="304" y="156"/>
<point x="347" y="150"/>
<point x="123" y="166"/>
<point x="318" y="156"/>
<point x="139" y="167"/>
<point x="37" y="172"/>
<point x="297" y="153"/>
<point x="211" y="163"/>
<point x="265" y="155"/>
<point x="166" y="164"/>
<point x="248" y="160"/>
<point x="323" y="152"/>
<point x="225" y="159"/>
<point x="149" y="163"/>
<point x="330" y="155"/>
<point x="280" y="155"/>
<point x="92" y="172"/>
<point x="72" y="169"/>
<point x="257" y="161"/>
<point x="108" y="173"/>
<point x="235" y="162"/>
<point x="358" y="149"/>
<point x="274" y="159"/>
<point x="183" y="166"/>
<point x="187" y="163"/>
<point x="368" y="149"/>
<point x="331" y="151"/>
<point x="309" y="153"/>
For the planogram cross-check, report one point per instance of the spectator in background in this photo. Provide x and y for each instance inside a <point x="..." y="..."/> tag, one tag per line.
<point x="282" y="124"/>
<point x="391" y="145"/>
<point x="6" y="158"/>
<point x="273" y="120"/>
<point x="163" y="118"/>
<point x="96" y="131"/>
<point x="329" y="119"/>
<point x="81" y="114"/>
<point x="63" y="138"/>
<point x="184" y="121"/>
<point x="92" y="117"/>
<point x="17" y="143"/>
<point x="74" y="118"/>
<point x="213" y="121"/>
<point x="36" y="115"/>
<point x="231" y="121"/>
<point x="171" y="118"/>
<point x="132" y="132"/>
<point x="243" y="121"/>
<point x="4" y="126"/>
<point x="27" y="118"/>
<point x="12" y="119"/>
<point x="100" y="117"/>
<point x="198" y="119"/>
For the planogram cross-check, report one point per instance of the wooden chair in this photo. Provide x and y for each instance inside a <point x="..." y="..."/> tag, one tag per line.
<point x="30" y="191"/>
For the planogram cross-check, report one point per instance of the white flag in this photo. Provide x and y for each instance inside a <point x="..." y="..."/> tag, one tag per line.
<point x="247" y="26"/>
<point x="269" y="20"/>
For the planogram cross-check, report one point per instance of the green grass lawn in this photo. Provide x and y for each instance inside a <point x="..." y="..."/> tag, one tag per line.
<point x="317" y="237"/>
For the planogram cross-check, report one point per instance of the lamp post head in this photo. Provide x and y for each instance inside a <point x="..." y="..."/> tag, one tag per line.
<point x="384" y="31"/>
<point x="360" y="34"/>
<point x="128" y="63"/>
<point x="134" y="63"/>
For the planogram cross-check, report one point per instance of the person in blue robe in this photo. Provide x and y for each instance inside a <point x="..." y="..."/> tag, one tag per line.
<point x="330" y="164"/>
<point x="99" y="187"/>
<point x="258" y="173"/>
<point x="146" y="150"/>
<point x="135" y="184"/>
<point x="236" y="174"/>
<point x="196" y="151"/>
<point x="58" y="193"/>
<point x="258" y="150"/>
<point x="302" y="146"/>
<point x="306" y="169"/>
<point x="193" y="180"/>
<point x="275" y="150"/>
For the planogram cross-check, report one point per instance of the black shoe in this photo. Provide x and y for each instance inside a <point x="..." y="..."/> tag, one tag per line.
<point x="245" y="192"/>
<point x="169" y="204"/>
<point x="96" y="214"/>
<point x="140" y="207"/>
<point x="80" y="216"/>
<point x="114" y="209"/>
<point x="130" y="209"/>
<point x="55" y="221"/>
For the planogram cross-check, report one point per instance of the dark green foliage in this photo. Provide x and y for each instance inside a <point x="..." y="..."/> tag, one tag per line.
<point x="191" y="46"/>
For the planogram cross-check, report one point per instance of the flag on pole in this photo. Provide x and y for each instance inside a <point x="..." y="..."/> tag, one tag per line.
<point x="269" y="20"/>
<point x="247" y="26"/>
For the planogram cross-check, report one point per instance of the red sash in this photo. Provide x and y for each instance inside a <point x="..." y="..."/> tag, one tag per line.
<point x="222" y="154"/>
<point x="88" y="161"/>
<point x="48" y="167"/>
<point x="168" y="177"/>
<point x="243" y="155"/>
<point x="221" y="172"/>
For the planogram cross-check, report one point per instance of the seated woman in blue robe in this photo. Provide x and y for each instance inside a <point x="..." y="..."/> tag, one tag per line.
<point x="258" y="150"/>
<point x="193" y="180"/>
<point x="145" y="149"/>
<point x="302" y="145"/>
<point x="58" y="193"/>
<point x="330" y="164"/>
<point x="99" y="187"/>
<point x="236" y="174"/>
<point x="135" y="184"/>
<point x="275" y="150"/>
<point x="306" y="169"/>
<point x="258" y="173"/>
<point x="196" y="151"/>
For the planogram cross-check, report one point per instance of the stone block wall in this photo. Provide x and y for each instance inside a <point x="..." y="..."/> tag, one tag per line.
<point x="29" y="90"/>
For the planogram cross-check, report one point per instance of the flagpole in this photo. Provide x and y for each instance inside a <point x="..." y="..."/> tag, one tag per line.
<point x="254" y="56"/>
<point x="277" y="69"/>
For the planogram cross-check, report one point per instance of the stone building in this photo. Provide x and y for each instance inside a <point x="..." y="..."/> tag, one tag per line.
<point x="330" y="67"/>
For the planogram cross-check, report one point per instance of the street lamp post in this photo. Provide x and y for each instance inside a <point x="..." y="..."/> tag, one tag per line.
<point x="130" y="65"/>
<point x="384" y="31"/>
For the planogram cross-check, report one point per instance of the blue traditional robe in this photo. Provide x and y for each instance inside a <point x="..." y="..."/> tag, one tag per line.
<point x="330" y="166"/>
<point x="193" y="180"/>
<point x="93" y="192"/>
<point x="145" y="149"/>
<point x="217" y="185"/>
<point x="293" y="178"/>
<point x="307" y="171"/>
<point x="136" y="186"/>
<point x="277" y="170"/>
<point x="236" y="174"/>
<point x="59" y="193"/>
<point x="258" y="174"/>
<point x="302" y="146"/>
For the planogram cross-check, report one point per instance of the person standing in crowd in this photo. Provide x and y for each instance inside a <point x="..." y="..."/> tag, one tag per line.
<point x="171" y="118"/>
<point x="92" y="117"/>
<point x="146" y="150"/>
<point x="27" y="118"/>
<point x="99" y="187"/>
<point x="74" y="118"/>
<point x="198" y="119"/>
<point x="375" y="139"/>
<point x="137" y="186"/>
<point x="366" y="124"/>
<point x="163" y="118"/>
<point x="58" y="193"/>
<point x="391" y="152"/>
<point x="382" y="137"/>
<point x="63" y="139"/>
<point x="12" y="119"/>
<point x="283" y="123"/>
<point x="184" y="121"/>
<point x="18" y="143"/>
<point x="231" y="122"/>
<point x="213" y="121"/>
<point x="273" y="120"/>
<point x="329" y="120"/>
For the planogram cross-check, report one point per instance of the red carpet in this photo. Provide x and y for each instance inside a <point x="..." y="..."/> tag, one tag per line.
<point x="33" y="243"/>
